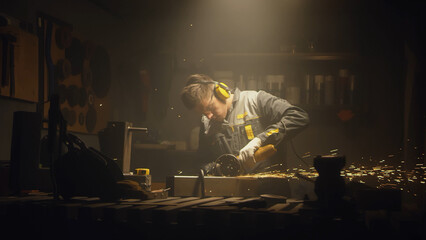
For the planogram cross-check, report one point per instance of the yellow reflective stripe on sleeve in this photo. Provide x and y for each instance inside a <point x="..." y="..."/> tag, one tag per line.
<point x="272" y="131"/>
<point x="241" y="116"/>
<point x="249" y="132"/>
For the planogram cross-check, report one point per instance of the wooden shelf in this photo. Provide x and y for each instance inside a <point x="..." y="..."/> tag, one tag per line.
<point x="317" y="56"/>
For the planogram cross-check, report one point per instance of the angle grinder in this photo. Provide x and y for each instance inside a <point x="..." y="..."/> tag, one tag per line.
<point x="231" y="165"/>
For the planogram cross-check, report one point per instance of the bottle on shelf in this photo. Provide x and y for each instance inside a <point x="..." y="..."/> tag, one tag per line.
<point x="319" y="89"/>
<point x="240" y="83"/>
<point x="292" y="87"/>
<point x="351" y="90"/>
<point x="260" y="83"/>
<point x="292" y="94"/>
<point x="308" y="89"/>
<point x="251" y="82"/>
<point x="329" y="89"/>
<point x="342" y="83"/>
<point x="274" y="84"/>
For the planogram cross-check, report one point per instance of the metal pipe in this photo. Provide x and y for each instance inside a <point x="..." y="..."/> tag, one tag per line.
<point x="137" y="129"/>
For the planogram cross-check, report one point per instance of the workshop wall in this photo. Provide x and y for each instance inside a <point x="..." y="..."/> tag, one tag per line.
<point x="139" y="42"/>
<point x="154" y="45"/>
<point x="79" y="14"/>
<point x="365" y="29"/>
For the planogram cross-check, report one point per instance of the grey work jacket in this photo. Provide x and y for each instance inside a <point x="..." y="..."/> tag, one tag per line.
<point x="253" y="114"/>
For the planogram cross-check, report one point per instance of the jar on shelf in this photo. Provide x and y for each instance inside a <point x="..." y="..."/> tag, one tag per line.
<point x="319" y="89"/>
<point x="341" y="86"/>
<point x="329" y="89"/>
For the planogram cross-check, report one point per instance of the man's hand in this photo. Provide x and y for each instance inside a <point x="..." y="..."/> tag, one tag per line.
<point x="247" y="153"/>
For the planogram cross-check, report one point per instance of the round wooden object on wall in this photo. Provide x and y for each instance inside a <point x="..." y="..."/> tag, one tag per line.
<point x="86" y="74"/>
<point x="82" y="97"/>
<point x="101" y="76"/>
<point x="62" y="69"/>
<point x="73" y="95"/>
<point x="81" y="119"/>
<point x="75" y="54"/>
<point x="63" y="37"/>
<point x="62" y="92"/>
<point x="91" y="119"/>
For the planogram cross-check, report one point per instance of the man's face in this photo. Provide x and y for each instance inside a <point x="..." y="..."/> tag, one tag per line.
<point x="212" y="108"/>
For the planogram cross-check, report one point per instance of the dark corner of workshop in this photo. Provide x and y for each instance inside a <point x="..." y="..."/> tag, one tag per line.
<point x="235" y="119"/>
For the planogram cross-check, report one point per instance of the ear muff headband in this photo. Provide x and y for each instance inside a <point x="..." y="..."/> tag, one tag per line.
<point x="221" y="90"/>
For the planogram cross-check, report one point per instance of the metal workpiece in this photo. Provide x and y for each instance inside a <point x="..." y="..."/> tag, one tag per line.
<point x="242" y="186"/>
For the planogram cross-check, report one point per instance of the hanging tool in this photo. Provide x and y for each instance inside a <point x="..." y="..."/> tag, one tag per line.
<point x="8" y="62"/>
<point x="49" y="61"/>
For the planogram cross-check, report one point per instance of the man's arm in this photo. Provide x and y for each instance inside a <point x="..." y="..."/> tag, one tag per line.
<point x="286" y="120"/>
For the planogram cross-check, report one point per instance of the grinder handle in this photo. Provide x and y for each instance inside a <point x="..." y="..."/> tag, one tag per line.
<point x="260" y="155"/>
<point x="264" y="152"/>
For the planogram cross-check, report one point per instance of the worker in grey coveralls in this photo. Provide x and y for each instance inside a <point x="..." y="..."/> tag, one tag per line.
<point x="246" y="119"/>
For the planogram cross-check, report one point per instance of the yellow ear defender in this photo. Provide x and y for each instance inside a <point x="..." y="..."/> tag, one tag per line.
<point x="221" y="91"/>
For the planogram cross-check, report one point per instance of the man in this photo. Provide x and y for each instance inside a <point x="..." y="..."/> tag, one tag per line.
<point x="239" y="122"/>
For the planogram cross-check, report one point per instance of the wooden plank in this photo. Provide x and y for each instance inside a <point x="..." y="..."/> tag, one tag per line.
<point x="25" y="198"/>
<point x="86" y="199"/>
<point x="292" y="208"/>
<point x="278" y="207"/>
<point x="116" y="213"/>
<point x="140" y="214"/>
<point x="168" y="214"/>
<point x="221" y="202"/>
<point x="155" y="201"/>
<point x="177" y="201"/>
<point x="92" y="212"/>
<point x="67" y="210"/>
<point x="189" y="203"/>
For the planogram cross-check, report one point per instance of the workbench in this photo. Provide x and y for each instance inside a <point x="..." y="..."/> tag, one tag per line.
<point x="39" y="215"/>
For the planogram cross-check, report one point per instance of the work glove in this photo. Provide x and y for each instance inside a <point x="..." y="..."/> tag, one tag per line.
<point x="247" y="153"/>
